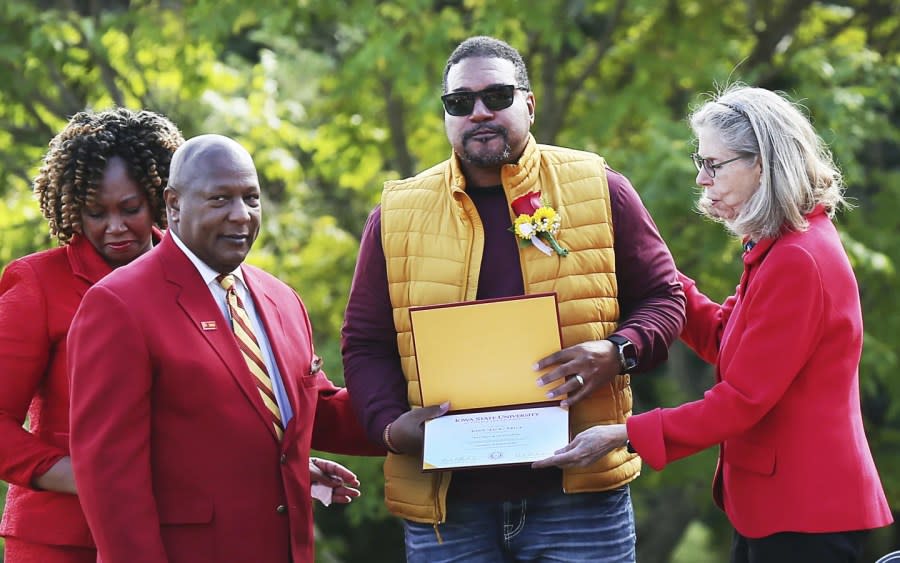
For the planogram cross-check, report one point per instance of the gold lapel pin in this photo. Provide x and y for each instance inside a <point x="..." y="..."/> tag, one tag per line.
<point x="316" y="365"/>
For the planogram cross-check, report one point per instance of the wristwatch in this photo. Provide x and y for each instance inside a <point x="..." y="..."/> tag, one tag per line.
<point x="627" y="353"/>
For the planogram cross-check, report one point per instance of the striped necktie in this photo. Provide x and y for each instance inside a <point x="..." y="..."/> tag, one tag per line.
<point x="249" y="345"/>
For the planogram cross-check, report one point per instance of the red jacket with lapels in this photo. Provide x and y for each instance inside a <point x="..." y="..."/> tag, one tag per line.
<point x="38" y="298"/>
<point x="786" y="407"/>
<point x="173" y="450"/>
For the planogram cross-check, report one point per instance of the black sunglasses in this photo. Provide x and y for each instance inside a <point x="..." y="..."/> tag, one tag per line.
<point x="494" y="98"/>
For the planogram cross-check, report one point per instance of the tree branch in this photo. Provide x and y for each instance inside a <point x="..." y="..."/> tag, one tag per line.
<point x="397" y="125"/>
<point x="71" y="102"/>
<point x="560" y="96"/>
<point x="602" y="48"/>
<point x="44" y="127"/>
<point x="777" y="27"/>
<point x="107" y="73"/>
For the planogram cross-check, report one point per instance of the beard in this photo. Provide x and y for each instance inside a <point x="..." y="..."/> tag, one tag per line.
<point x="486" y="157"/>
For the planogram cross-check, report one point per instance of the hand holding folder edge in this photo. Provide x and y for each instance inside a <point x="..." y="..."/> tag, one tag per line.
<point x="480" y="354"/>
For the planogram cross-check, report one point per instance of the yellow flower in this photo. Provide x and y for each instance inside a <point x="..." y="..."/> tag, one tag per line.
<point x="544" y="218"/>
<point x="524" y="227"/>
<point x="539" y="227"/>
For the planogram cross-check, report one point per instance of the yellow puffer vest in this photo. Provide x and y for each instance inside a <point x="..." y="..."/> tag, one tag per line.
<point x="433" y="241"/>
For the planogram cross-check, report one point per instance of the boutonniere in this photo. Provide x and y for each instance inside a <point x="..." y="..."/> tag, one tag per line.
<point x="537" y="223"/>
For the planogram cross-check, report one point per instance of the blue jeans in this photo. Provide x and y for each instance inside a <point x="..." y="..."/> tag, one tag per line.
<point x="585" y="527"/>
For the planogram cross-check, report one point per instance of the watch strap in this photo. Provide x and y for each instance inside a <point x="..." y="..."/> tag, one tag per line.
<point x="626" y="351"/>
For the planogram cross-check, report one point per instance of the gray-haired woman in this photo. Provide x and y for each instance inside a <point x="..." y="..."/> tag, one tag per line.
<point x="795" y="474"/>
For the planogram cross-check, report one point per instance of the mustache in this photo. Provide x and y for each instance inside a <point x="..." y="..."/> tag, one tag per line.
<point x="491" y="128"/>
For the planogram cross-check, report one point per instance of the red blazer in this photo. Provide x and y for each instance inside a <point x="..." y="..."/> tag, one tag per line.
<point x="786" y="407"/>
<point x="173" y="456"/>
<point x="38" y="297"/>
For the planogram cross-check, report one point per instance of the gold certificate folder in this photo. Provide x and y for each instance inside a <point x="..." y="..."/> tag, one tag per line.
<point x="479" y="354"/>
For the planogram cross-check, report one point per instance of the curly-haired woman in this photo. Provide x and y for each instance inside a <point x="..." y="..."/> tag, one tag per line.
<point x="100" y="189"/>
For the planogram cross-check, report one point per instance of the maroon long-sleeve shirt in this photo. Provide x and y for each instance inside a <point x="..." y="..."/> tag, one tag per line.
<point x="651" y="304"/>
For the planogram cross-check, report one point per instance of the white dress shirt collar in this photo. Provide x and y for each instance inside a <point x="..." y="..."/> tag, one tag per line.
<point x="208" y="274"/>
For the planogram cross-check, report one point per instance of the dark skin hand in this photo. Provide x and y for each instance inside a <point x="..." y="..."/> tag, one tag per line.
<point x="596" y="361"/>
<point x="407" y="433"/>
<point x="342" y="481"/>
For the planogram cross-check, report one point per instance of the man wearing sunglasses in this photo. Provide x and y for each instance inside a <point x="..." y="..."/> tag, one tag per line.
<point x="447" y="236"/>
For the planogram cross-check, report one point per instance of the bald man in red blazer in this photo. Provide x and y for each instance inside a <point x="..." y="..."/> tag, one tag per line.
<point x="174" y="452"/>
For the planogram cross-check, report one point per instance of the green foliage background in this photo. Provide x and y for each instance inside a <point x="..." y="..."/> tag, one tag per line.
<point x="333" y="98"/>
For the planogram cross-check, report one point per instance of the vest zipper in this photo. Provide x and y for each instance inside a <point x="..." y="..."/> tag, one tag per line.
<point x="437" y="534"/>
<point x="437" y="506"/>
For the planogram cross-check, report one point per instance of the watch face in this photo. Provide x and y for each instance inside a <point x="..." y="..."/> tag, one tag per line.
<point x="627" y="356"/>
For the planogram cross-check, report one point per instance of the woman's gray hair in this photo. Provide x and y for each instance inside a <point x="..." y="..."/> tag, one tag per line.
<point x="798" y="172"/>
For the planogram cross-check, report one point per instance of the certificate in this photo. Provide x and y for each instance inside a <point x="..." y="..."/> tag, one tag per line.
<point x="496" y="437"/>
<point x="479" y="356"/>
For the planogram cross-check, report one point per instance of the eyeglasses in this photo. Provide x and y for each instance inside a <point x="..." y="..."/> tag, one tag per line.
<point x="494" y="98"/>
<point x="704" y="164"/>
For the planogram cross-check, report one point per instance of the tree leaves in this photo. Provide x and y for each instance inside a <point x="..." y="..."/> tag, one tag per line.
<point x="334" y="98"/>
